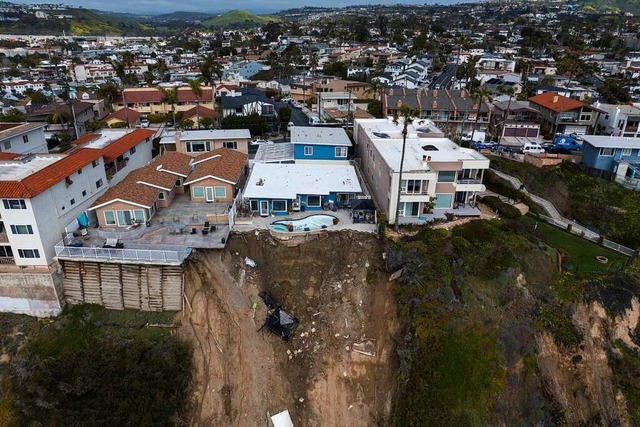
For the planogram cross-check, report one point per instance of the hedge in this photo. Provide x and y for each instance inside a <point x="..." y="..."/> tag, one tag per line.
<point x="504" y="209"/>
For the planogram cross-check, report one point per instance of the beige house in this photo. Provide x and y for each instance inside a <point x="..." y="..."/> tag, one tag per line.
<point x="217" y="176"/>
<point x="139" y="196"/>
<point x="149" y="100"/>
<point x="196" y="142"/>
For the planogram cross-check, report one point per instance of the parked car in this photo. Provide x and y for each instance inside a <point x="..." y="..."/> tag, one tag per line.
<point x="169" y="123"/>
<point x="287" y="100"/>
<point x="555" y="150"/>
<point x="503" y="149"/>
<point x="576" y="136"/>
<point x="477" y="145"/>
<point x="531" y="148"/>
<point x="566" y="142"/>
<point x="296" y="105"/>
<point x="144" y="123"/>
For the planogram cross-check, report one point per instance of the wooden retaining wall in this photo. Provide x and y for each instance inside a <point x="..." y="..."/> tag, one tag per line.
<point x="123" y="286"/>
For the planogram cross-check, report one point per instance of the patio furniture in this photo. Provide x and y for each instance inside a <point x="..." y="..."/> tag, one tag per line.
<point x="194" y="231"/>
<point x="113" y="244"/>
<point x="206" y="224"/>
<point x="213" y="228"/>
<point x="205" y="231"/>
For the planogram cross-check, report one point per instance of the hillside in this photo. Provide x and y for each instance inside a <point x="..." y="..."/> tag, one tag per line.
<point x="76" y="22"/>
<point x="183" y="16"/>
<point x="238" y="18"/>
<point x="632" y="6"/>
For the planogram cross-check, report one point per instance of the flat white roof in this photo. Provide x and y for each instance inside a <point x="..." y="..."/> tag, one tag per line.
<point x="106" y="137"/>
<point x="601" y="141"/>
<point x="319" y="136"/>
<point x="16" y="170"/>
<point x="198" y="135"/>
<point x="286" y="181"/>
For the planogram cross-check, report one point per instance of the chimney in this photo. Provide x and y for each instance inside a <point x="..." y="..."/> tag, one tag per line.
<point x="399" y="103"/>
<point x="434" y="105"/>
<point x="177" y="137"/>
<point x="429" y="158"/>
<point x="435" y="93"/>
<point x="462" y="94"/>
<point x="390" y="92"/>
<point x="424" y="158"/>
<point x="555" y="99"/>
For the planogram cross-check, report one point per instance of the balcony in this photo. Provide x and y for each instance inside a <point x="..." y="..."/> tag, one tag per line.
<point x="114" y="254"/>
<point x="7" y="261"/>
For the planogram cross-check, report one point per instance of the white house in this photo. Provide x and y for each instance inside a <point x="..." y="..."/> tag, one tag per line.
<point x="22" y="138"/>
<point x="618" y="120"/>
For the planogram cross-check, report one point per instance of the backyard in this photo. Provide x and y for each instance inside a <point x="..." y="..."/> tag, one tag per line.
<point x="581" y="253"/>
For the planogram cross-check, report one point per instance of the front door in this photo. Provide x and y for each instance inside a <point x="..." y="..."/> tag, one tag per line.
<point x="209" y="194"/>
<point x="264" y="208"/>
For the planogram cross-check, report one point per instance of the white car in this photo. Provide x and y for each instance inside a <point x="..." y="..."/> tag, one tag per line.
<point x="297" y="105"/>
<point x="144" y="123"/>
<point x="261" y="142"/>
<point x="286" y="100"/>
<point x="289" y="126"/>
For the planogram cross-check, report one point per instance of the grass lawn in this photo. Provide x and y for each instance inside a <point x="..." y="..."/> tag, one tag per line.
<point x="581" y="252"/>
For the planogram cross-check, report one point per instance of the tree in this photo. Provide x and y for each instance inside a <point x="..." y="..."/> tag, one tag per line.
<point x="194" y="85"/>
<point x="120" y="69"/>
<point x="285" y="116"/>
<point x="107" y="91"/>
<point x="37" y="97"/>
<point x="211" y="70"/>
<point x="170" y="96"/>
<point x="13" y="116"/>
<point x="186" y="124"/>
<point x="507" y="90"/>
<point x="406" y="115"/>
<point x="206" y="123"/>
<point x="148" y="77"/>
<point x="374" y="107"/>
<point x="479" y="96"/>
<point x="614" y="92"/>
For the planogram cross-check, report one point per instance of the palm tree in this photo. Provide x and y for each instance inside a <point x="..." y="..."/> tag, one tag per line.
<point x="507" y="90"/>
<point x="407" y="118"/>
<point x="161" y="68"/>
<point x="120" y="69"/>
<point x="479" y="96"/>
<point x="194" y="85"/>
<point x="170" y="96"/>
<point x="210" y="70"/>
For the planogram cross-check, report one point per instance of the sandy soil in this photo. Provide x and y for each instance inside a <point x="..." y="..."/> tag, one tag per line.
<point x="242" y="375"/>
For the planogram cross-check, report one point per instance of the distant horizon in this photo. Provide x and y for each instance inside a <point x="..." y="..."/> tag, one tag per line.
<point x="161" y="7"/>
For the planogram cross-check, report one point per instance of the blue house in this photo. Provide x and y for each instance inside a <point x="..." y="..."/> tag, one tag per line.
<point x="612" y="156"/>
<point x="310" y="173"/>
<point x="314" y="144"/>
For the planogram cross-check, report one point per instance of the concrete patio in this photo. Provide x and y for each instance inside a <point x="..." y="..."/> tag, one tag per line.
<point x="437" y="214"/>
<point x="344" y="215"/>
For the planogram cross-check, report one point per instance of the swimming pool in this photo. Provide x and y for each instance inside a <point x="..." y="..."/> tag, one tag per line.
<point x="309" y="223"/>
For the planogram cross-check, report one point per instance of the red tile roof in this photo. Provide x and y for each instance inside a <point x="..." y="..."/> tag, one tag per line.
<point x="223" y="163"/>
<point x="86" y="138"/>
<point x="124" y="144"/>
<point x="8" y="156"/>
<point x="143" y="95"/>
<point x="202" y="112"/>
<point x="49" y="176"/>
<point x="553" y="101"/>
<point x="132" y="115"/>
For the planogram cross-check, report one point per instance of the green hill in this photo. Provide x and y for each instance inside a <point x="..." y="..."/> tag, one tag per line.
<point x="614" y="6"/>
<point x="239" y="18"/>
<point x="183" y="16"/>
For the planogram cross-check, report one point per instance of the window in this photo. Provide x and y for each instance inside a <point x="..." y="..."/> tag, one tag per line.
<point x="7" y="145"/>
<point x="221" y="192"/>
<point x="95" y="163"/>
<point x="341" y="151"/>
<point x="161" y="195"/>
<point x="279" y="205"/>
<point x="84" y="193"/>
<point x="230" y="144"/>
<point x="585" y="117"/>
<point x="99" y="183"/>
<point x="198" y="192"/>
<point x="313" y="201"/>
<point x="411" y="186"/>
<point x="124" y="218"/>
<point x="80" y="171"/>
<point x="606" y="151"/>
<point x="132" y="151"/>
<point x="253" y="205"/>
<point x="308" y="150"/>
<point x="446" y="176"/>
<point x="109" y="218"/>
<point x="626" y="151"/>
<point x="6" y="252"/>
<point x="21" y="229"/>
<point x="198" y="147"/>
<point x="138" y="215"/>
<point x="443" y="201"/>
<point x="72" y="201"/>
<point x="25" y="138"/>
<point x="14" y="204"/>
<point x="178" y="182"/>
<point x="28" y="253"/>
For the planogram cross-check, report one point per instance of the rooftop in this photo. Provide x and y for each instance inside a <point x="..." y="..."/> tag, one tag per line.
<point x="319" y="136"/>
<point x="286" y="181"/>
<point x="274" y="153"/>
<point x="9" y="130"/>
<point x="16" y="170"/>
<point x="555" y="102"/>
<point x="600" y="141"/>
<point x="204" y="135"/>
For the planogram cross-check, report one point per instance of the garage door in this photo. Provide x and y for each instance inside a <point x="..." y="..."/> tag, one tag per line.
<point x="581" y="130"/>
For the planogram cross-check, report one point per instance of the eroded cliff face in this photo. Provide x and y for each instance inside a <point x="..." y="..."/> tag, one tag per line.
<point x="581" y="380"/>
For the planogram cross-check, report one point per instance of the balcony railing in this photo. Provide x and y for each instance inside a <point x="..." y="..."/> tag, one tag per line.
<point x="143" y="255"/>
<point x="469" y="181"/>
<point x="7" y="261"/>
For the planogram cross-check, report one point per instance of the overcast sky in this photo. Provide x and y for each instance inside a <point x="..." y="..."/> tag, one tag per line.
<point x="256" y="6"/>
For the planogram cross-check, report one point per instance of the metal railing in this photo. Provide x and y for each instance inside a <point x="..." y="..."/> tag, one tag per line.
<point x="7" y="261"/>
<point x="468" y="181"/>
<point x="153" y="255"/>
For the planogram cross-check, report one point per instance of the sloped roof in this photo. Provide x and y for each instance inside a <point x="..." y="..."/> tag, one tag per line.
<point x="223" y="163"/>
<point x="175" y="162"/>
<point x="558" y="103"/>
<point x="48" y="176"/>
<point x="200" y="110"/>
<point x="132" y="115"/>
<point x="124" y="144"/>
<point x="143" y="95"/>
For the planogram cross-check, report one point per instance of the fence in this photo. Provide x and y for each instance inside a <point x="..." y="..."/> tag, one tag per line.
<point x="585" y="233"/>
<point x="150" y="255"/>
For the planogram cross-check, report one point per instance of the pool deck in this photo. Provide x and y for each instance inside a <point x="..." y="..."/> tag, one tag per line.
<point x="344" y="215"/>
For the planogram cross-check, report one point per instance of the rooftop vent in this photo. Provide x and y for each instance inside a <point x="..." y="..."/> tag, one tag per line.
<point x="260" y="182"/>
<point x="382" y="135"/>
<point x="429" y="148"/>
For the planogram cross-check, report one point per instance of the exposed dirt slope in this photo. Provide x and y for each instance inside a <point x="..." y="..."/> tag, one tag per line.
<point x="242" y="375"/>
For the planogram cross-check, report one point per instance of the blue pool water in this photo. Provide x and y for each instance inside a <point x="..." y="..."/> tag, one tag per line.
<point x="312" y="222"/>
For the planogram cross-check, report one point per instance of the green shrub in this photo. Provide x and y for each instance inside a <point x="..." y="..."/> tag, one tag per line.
<point x="504" y="209"/>
<point x="155" y="118"/>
